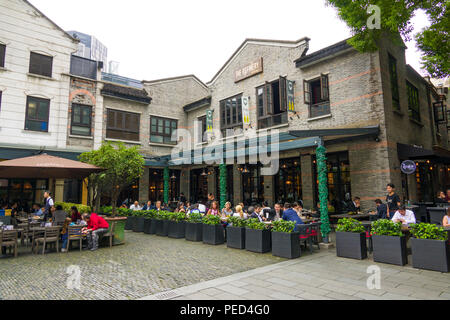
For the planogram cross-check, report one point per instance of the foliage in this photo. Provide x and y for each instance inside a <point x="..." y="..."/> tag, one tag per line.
<point x="67" y="206"/>
<point x="106" y="209"/>
<point x="166" y="185"/>
<point x="237" y="222"/>
<point x="195" y="217"/>
<point x="395" y="23"/>
<point x="211" y="219"/>
<point x="223" y="184"/>
<point x="178" y="216"/>
<point x="124" y="212"/>
<point x="428" y="231"/>
<point x="385" y="227"/>
<point x="255" y="224"/>
<point x="162" y="215"/>
<point x="350" y="225"/>
<point x="322" y="176"/>
<point x="150" y="214"/>
<point x="283" y="226"/>
<point x="122" y="167"/>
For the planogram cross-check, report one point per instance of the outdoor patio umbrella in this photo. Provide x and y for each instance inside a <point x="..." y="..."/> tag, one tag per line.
<point x="44" y="166"/>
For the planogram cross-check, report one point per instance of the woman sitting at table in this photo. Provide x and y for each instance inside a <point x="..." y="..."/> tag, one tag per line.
<point x="446" y="219"/>
<point x="240" y="213"/>
<point x="180" y="207"/>
<point x="227" y="211"/>
<point x="214" y="210"/>
<point x="76" y="216"/>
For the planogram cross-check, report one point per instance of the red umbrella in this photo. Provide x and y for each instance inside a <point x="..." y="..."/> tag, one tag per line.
<point x="44" y="166"/>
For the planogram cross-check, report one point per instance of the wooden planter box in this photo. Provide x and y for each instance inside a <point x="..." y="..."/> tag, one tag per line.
<point x="235" y="237"/>
<point x="390" y="249"/>
<point x="139" y="224"/>
<point x="286" y="245"/>
<point x="430" y="254"/>
<point x="177" y="230"/>
<point x="147" y="226"/>
<point x="162" y="228"/>
<point x="257" y="240"/>
<point x="351" y="245"/>
<point x="130" y="222"/>
<point x="194" y="231"/>
<point x="213" y="234"/>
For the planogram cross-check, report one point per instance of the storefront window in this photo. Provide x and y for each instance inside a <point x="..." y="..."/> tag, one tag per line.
<point x="253" y="184"/>
<point x="23" y="191"/>
<point x="199" y="185"/>
<point x="174" y="185"/>
<point x="288" y="186"/>
<point x="73" y="190"/>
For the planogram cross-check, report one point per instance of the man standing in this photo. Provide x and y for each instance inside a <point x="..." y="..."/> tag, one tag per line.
<point x="48" y="204"/>
<point x="95" y="227"/>
<point x="392" y="200"/>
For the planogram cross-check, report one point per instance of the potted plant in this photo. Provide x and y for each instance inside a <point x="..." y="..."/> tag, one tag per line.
<point x="149" y="225"/>
<point x="351" y="239"/>
<point x="430" y="248"/>
<point x="389" y="243"/>
<point x="139" y="221"/>
<point x="285" y="241"/>
<point x="257" y="236"/>
<point x="162" y="223"/>
<point x="130" y="217"/>
<point x="194" y="227"/>
<point x="177" y="225"/>
<point x="213" y="232"/>
<point x="236" y="233"/>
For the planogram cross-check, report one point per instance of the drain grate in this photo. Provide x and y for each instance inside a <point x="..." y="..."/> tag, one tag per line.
<point x="166" y="295"/>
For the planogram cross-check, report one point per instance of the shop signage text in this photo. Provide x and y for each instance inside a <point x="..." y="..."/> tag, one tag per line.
<point x="249" y="70"/>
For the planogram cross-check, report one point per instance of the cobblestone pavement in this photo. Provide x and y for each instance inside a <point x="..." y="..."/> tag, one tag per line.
<point x="145" y="265"/>
<point x="320" y="276"/>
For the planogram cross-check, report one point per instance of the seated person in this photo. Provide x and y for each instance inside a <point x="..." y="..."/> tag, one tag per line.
<point x="441" y="197"/>
<point x="381" y="210"/>
<point x="446" y="219"/>
<point x="65" y="234"/>
<point x="355" y="205"/>
<point x="252" y="214"/>
<point x="135" y="206"/>
<point x="96" y="226"/>
<point x="290" y="214"/>
<point x="194" y="209"/>
<point x="59" y="216"/>
<point x="38" y="211"/>
<point x="240" y="213"/>
<point x="148" y="206"/>
<point x="276" y="213"/>
<point x="75" y="216"/>
<point x="84" y="219"/>
<point x="404" y="216"/>
<point x="201" y="207"/>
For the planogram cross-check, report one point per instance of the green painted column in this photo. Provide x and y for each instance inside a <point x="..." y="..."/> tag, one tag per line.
<point x="166" y="185"/>
<point x="322" y="173"/>
<point x="223" y="184"/>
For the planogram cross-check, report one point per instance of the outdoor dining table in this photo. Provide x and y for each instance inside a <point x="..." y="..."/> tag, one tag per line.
<point x="358" y="216"/>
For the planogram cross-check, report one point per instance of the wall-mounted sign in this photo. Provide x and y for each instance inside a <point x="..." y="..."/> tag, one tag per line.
<point x="408" y="167"/>
<point x="290" y="95"/>
<point x="245" y="112"/>
<point x="249" y="70"/>
<point x="209" y="120"/>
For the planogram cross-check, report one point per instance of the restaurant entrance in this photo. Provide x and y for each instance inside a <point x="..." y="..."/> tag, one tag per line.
<point x="199" y="185"/>
<point x="288" y="187"/>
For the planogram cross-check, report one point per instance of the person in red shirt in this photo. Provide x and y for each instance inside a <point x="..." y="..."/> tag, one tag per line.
<point x="96" y="226"/>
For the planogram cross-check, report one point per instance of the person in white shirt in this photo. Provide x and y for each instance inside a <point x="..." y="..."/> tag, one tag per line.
<point x="136" y="206"/>
<point x="404" y="216"/>
<point x="240" y="213"/>
<point x="201" y="207"/>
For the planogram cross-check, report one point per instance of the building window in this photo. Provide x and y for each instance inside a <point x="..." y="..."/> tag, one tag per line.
<point x="37" y="114"/>
<point x="271" y="102"/>
<point x="413" y="101"/>
<point x="231" y="114"/>
<point x="253" y="184"/>
<point x="122" y="125"/>
<point x="161" y="130"/>
<point x="202" y="136"/>
<point x="317" y="96"/>
<point x="81" y="120"/>
<point x="2" y="55"/>
<point x="0" y="101"/>
<point x="288" y="181"/>
<point x="41" y="64"/>
<point x="394" y="83"/>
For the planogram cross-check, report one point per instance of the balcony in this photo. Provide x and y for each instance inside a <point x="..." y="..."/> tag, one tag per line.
<point x="83" y="67"/>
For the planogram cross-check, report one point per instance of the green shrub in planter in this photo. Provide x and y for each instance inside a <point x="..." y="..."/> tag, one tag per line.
<point x="67" y="207"/>
<point x="351" y="239"/>
<point x="194" y="227"/>
<point x="429" y="246"/>
<point x="257" y="236"/>
<point x="213" y="232"/>
<point x="285" y="242"/>
<point x="106" y="210"/>
<point x="236" y="233"/>
<point x="389" y="243"/>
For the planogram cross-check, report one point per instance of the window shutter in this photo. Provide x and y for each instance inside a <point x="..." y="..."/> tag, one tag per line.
<point x="324" y="92"/>
<point x="283" y="94"/>
<point x="268" y="98"/>
<point x="306" y="92"/>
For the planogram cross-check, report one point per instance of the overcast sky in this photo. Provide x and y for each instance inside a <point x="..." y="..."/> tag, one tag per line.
<point x="165" y="38"/>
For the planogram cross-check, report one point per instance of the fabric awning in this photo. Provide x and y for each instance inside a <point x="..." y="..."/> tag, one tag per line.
<point x="45" y="166"/>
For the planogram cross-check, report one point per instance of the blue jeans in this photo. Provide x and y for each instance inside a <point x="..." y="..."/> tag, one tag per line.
<point x="65" y="238"/>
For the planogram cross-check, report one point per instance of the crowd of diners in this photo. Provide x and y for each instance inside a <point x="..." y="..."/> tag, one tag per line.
<point x="53" y="215"/>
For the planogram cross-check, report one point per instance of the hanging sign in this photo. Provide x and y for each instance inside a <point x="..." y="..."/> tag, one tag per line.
<point x="408" y="167"/>
<point x="209" y="120"/>
<point x="245" y="111"/>
<point x="249" y="70"/>
<point x="290" y="95"/>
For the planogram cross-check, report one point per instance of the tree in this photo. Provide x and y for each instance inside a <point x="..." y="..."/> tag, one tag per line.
<point x="123" y="166"/>
<point x="395" y="23"/>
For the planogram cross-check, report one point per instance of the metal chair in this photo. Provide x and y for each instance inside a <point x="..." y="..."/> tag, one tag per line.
<point x="437" y="215"/>
<point x="8" y="239"/>
<point x="74" y="234"/>
<point x="51" y="235"/>
<point x="306" y="231"/>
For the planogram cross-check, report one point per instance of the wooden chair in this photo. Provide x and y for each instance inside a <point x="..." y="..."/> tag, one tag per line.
<point x="110" y="233"/>
<point x="51" y="235"/>
<point x="74" y="234"/>
<point x="8" y="239"/>
<point x="25" y="234"/>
